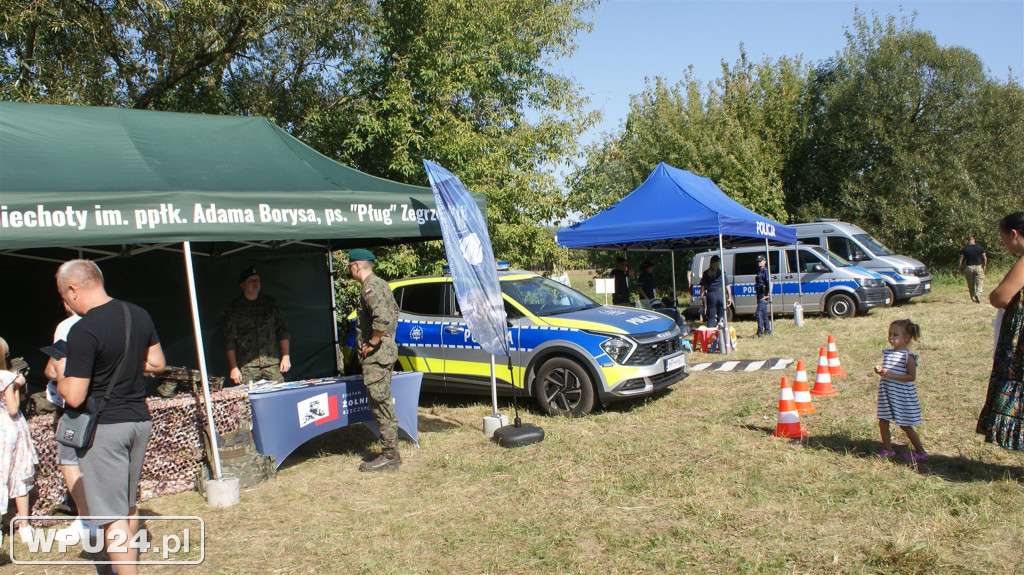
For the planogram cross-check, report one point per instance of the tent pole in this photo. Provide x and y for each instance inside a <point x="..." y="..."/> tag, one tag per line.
<point x="334" y="312"/>
<point x="202" y="359"/>
<point x="725" y="345"/>
<point x="494" y="388"/>
<point x="771" y="305"/>
<point x="674" y="294"/>
<point x="799" y="282"/>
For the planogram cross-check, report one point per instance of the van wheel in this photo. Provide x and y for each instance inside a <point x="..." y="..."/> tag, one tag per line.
<point x="841" y="306"/>
<point x="563" y="387"/>
<point x="891" y="295"/>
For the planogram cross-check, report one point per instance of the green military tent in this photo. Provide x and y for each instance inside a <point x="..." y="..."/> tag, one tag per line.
<point x="135" y="190"/>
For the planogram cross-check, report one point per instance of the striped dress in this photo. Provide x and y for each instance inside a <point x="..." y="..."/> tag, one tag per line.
<point x="897" y="400"/>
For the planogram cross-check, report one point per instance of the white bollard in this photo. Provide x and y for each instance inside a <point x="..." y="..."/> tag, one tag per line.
<point x="492" y="423"/>
<point x="223" y="492"/>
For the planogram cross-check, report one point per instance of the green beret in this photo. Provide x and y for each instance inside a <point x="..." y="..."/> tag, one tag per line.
<point x="360" y="255"/>
<point x="247" y="273"/>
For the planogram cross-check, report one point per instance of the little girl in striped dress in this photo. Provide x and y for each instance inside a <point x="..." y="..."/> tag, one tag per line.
<point x="897" y="396"/>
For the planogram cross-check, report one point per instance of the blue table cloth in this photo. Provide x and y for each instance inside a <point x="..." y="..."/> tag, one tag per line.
<point x="293" y="413"/>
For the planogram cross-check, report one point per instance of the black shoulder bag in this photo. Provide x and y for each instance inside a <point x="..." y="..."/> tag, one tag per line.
<point x="77" y="426"/>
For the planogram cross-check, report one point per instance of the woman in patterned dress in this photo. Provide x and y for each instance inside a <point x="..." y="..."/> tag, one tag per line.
<point x="1000" y="419"/>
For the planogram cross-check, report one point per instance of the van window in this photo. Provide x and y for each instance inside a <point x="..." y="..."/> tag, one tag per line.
<point x="746" y="263"/>
<point x="421" y="299"/>
<point x="830" y="257"/>
<point x="807" y="260"/>
<point x="812" y="240"/>
<point x="845" y="248"/>
<point x="873" y="245"/>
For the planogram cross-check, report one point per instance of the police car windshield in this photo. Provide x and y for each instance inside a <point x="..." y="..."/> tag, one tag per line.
<point x="542" y="297"/>
<point x="831" y="257"/>
<point x="873" y="245"/>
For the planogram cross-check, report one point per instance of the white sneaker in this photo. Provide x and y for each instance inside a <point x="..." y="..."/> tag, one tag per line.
<point x="76" y="531"/>
<point x="72" y="534"/>
<point x="25" y="533"/>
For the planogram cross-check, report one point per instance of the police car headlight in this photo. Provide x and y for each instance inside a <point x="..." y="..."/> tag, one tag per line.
<point x="907" y="271"/>
<point x="617" y="349"/>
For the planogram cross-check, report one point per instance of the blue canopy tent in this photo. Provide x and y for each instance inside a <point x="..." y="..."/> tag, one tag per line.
<point x="675" y="210"/>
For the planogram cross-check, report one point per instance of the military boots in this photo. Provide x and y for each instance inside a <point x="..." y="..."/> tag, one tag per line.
<point x="388" y="459"/>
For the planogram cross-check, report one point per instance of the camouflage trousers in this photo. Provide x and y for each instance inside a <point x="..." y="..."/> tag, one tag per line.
<point x="257" y="373"/>
<point x="377" y="379"/>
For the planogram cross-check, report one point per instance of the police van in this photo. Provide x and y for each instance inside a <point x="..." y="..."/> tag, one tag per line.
<point x="568" y="351"/>
<point x="820" y="280"/>
<point x="904" y="277"/>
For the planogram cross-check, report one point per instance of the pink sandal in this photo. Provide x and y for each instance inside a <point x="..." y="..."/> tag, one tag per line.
<point x="915" y="456"/>
<point x="885" y="453"/>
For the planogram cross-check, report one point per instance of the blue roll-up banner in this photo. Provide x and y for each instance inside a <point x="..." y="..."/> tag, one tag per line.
<point x="471" y="260"/>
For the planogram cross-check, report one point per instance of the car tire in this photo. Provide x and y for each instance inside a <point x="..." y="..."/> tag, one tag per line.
<point x="563" y="387"/>
<point x="841" y="306"/>
<point x="891" y="295"/>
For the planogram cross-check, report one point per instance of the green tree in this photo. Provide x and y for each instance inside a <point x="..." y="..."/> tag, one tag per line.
<point x="738" y="131"/>
<point x="909" y="139"/>
<point x="376" y="84"/>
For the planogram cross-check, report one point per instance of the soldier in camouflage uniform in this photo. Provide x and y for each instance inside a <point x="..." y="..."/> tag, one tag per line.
<point x="255" y="334"/>
<point x="375" y="341"/>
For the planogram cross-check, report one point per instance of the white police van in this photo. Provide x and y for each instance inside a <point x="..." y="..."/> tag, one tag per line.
<point x="820" y="280"/>
<point x="904" y="277"/>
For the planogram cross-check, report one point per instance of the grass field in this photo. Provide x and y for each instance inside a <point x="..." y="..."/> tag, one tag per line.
<point x="688" y="481"/>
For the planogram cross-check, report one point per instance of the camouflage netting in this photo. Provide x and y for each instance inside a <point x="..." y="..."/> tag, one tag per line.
<point x="175" y="451"/>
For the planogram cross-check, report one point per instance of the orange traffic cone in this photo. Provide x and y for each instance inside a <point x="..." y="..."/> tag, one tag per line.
<point x="822" y="380"/>
<point x="801" y="393"/>
<point x="789" y="420"/>
<point x="834" y="368"/>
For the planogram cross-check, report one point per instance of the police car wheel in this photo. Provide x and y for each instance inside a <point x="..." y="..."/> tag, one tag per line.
<point x="891" y="295"/>
<point x="841" y="306"/>
<point x="563" y="387"/>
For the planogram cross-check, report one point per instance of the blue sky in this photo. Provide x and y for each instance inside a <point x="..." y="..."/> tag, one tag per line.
<point x="637" y="39"/>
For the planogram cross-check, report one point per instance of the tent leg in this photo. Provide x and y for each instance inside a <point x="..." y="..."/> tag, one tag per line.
<point x="202" y="358"/>
<point x="334" y="313"/>
<point x="771" y="305"/>
<point x="725" y="298"/>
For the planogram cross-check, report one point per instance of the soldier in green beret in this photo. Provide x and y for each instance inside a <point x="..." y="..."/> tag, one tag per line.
<point x="255" y="333"/>
<point x="377" y="319"/>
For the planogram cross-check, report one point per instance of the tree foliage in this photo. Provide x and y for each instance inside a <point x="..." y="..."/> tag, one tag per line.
<point x="736" y="131"/>
<point x="911" y="140"/>
<point x="914" y="141"/>
<point x="376" y="84"/>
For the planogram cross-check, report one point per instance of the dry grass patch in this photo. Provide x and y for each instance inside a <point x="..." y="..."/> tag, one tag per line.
<point x="688" y="481"/>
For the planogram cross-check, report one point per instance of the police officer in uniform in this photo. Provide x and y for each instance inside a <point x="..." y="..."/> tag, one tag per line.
<point x="255" y="334"/>
<point x="711" y="290"/>
<point x="377" y="319"/>
<point x="763" y="292"/>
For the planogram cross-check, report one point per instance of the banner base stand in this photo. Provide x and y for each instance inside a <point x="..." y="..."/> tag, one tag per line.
<point x="492" y="423"/>
<point x="512" y="436"/>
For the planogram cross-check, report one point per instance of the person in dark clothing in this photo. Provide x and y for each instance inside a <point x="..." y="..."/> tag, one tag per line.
<point x="646" y="284"/>
<point x="711" y="283"/>
<point x="763" y="292"/>
<point x="976" y="259"/>
<point x="621" y="275"/>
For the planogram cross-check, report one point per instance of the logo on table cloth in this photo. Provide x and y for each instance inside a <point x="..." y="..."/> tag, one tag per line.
<point x="318" y="409"/>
